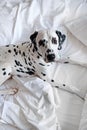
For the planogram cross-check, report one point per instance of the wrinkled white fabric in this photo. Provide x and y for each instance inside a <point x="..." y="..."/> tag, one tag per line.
<point x="83" y="121"/>
<point x="37" y="105"/>
<point x="35" y="108"/>
<point x="78" y="27"/>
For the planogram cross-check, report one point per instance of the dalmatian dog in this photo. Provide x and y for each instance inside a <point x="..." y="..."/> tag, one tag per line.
<point x="31" y="58"/>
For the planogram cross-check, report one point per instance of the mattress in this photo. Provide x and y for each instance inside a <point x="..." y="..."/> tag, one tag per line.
<point x="38" y="105"/>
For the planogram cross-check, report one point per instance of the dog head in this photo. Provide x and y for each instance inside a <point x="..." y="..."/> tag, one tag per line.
<point x="48" y="44"/>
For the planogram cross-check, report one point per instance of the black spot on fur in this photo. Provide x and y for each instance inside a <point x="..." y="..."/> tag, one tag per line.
<point x="14" y="49"/>
<point x="24" y="43"/>
<point x="23" y="54"/>
<point x="56" y="86"/>
<point x="18" y="63"/>
<point x="66" y="62"/>
<point x="30" y="63"/>
<point x="14" y="45"/>
<point x="30" y="45"/>
<point x="18" y="70"/>
<point x="42" y="42"/>
<point x="64" y="85"/>
<point x="16" y="52"/>
<point x="48" y="65"/>
<point x="9" y="73"/>
<point x="19" y="51"/>
<point x="33" y="67"/>
<point x="48" y="50"/>
<point x="39" y="54"/>
<point x="54" y="41"/>
<point x="52" y="80"/>
<point x="3" y="69"/>
<point x="25" y="61"/>
<point x="30" y="72"/>
<point x="43" y="74"/>
<point x="28" y="68"/>
<point x="41" y="64"/>
<point x="7" y="45"/>
<point x="29" y="58"/>
<point x="4" y="73"/>
<point x="38" y="57"/>
<point x="9" y="51"/>
<point x="33" y="50"/>
<point x="21" y="69"/>
<point x="34" y="61"/>
<point x="19" y="76"/>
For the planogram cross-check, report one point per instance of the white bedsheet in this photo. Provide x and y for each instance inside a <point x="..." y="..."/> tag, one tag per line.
<point x="38" y="106"/>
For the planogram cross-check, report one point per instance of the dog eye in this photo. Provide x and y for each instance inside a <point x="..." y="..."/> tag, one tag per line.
<point x="54" y="41"/>
<point x="42" y="42"/>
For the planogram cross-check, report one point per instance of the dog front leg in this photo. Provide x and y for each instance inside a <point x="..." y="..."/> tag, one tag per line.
<point x="5" y="72"/>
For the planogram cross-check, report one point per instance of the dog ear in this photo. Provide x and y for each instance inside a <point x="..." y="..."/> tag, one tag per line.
<point x="33" y="36"/>
<point x="61" y="37"/>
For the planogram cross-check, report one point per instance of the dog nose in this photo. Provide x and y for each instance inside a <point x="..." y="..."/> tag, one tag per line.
<point x="51" y="57"/>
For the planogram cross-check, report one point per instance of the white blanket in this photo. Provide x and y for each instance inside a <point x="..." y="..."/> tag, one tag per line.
<point x="38" y="106"/>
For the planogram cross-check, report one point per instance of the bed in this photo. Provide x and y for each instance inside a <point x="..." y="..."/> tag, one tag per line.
<point x="38" y="105"/>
